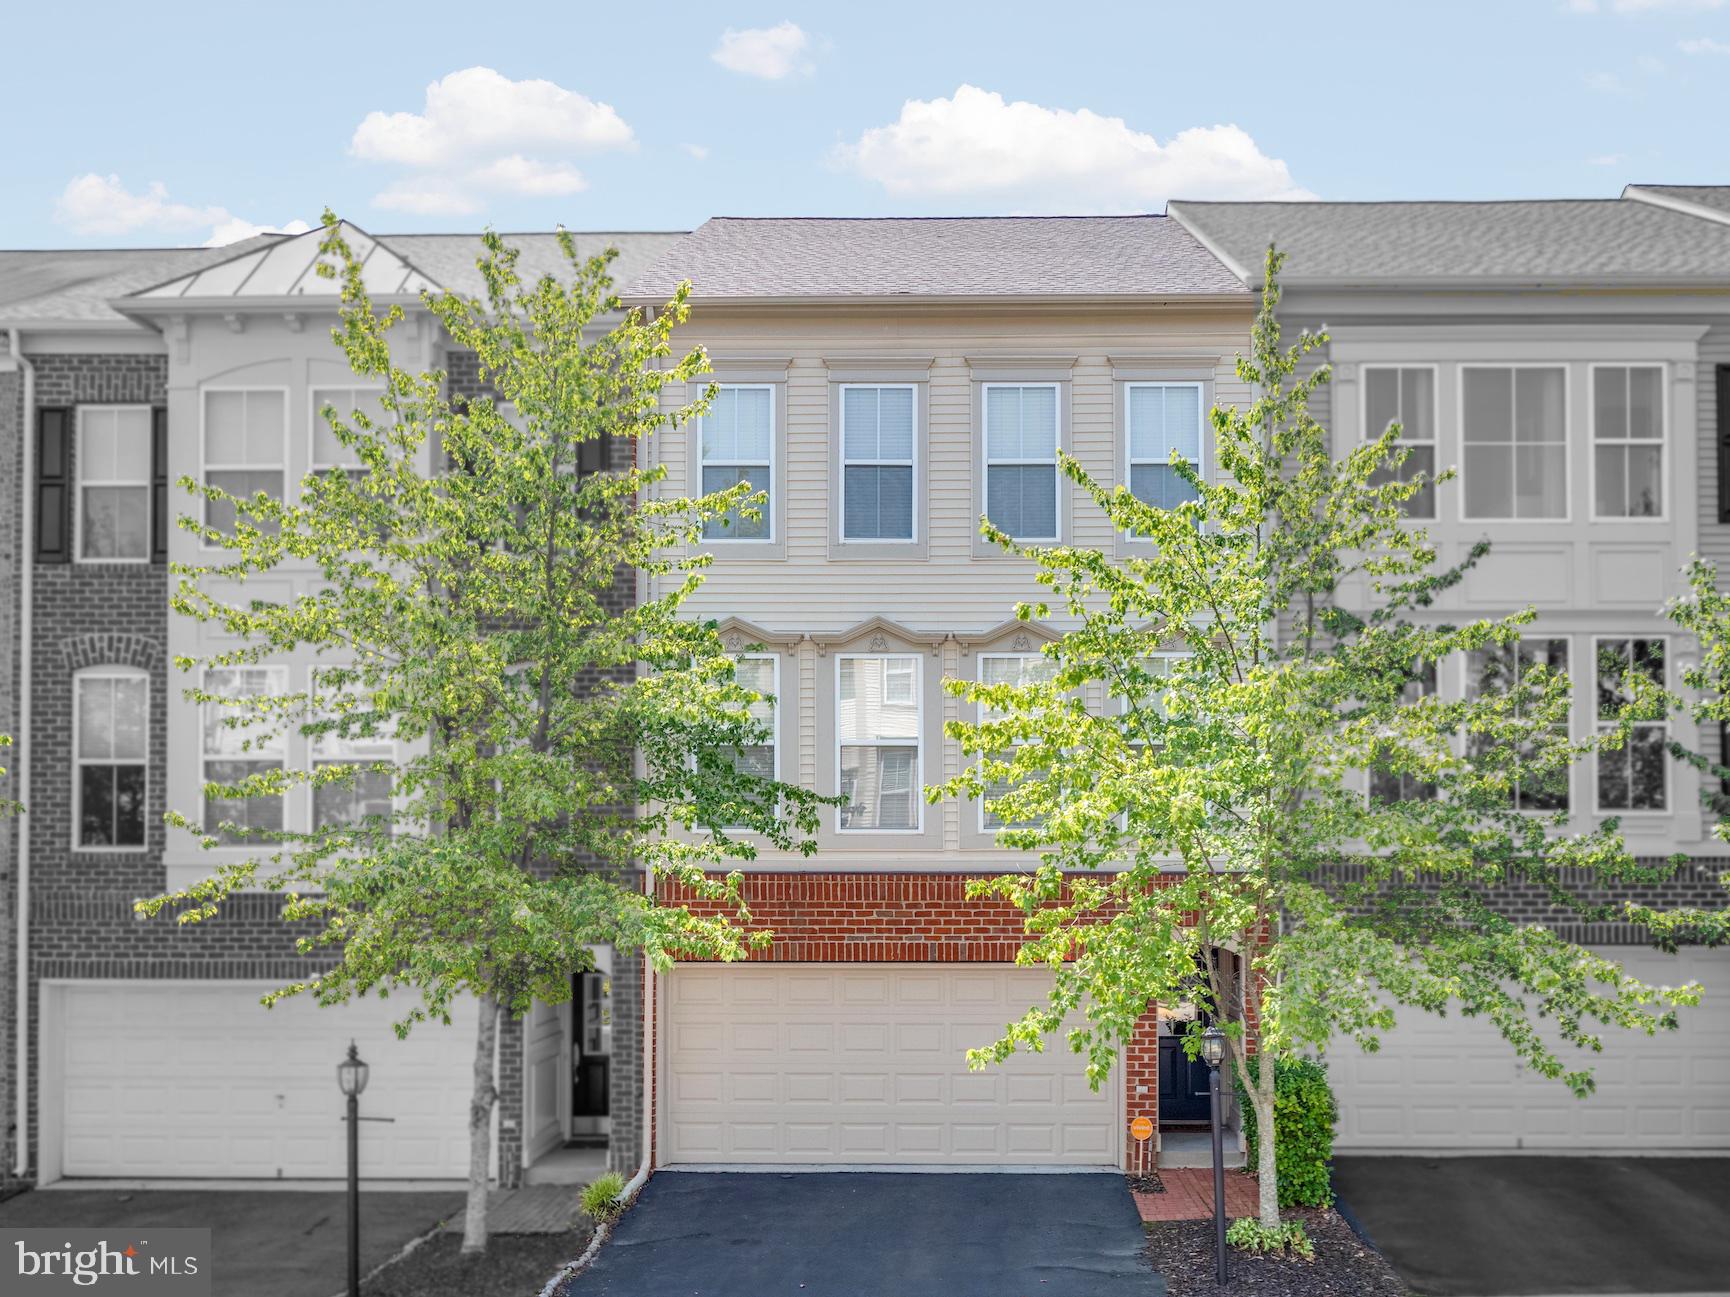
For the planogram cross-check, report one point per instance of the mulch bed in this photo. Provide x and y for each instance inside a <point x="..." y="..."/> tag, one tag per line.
<point x="1149" y="1183"/>
<point x="514" y="1265"/>
<point x="1345" y="1266"/>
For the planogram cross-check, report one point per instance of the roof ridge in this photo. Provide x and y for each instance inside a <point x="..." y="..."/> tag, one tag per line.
<point x="865" y="220"/>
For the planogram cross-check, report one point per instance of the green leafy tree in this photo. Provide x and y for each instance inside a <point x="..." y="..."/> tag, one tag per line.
<point x="1275" y="655"/>
<point x="514" y="740"/>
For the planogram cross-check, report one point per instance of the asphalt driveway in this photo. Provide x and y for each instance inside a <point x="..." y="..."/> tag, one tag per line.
<point x="871" y="1234"/>
<point x="287" y="1244"/>
<point x="1514" y="1226"/>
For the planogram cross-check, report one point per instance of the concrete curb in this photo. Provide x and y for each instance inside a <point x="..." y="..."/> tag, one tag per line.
<point x="571" y="1269"/>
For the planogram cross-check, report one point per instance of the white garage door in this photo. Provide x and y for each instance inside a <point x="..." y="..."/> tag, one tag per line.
<point x="199" y="1080"/>
<point x="867" y="1064"/>
<point x="1453" y="1084"/>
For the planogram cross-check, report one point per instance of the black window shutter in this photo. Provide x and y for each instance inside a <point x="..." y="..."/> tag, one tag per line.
<point x="158" y="485"/>
<point x="592" y="454"/>
<point x="53" y="484"/>
<point x="1724" y="443"/>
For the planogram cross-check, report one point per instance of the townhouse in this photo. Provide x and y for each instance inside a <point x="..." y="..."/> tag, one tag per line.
<point x="886" y="382"/>
<point x="1571" y="361"/>
<point x="139" y="1048"/>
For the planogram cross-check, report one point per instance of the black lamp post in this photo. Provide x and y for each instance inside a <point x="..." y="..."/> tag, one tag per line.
<point x="1213" y="1054"/>
<point x="351" y="1075"/>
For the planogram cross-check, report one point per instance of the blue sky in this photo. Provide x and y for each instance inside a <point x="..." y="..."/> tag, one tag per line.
<point x="179" y="123"/>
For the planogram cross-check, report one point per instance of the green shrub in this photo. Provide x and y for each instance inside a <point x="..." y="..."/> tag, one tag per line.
<point x="600" y="1200"/>
<point x="1304" y="1113"/>
<point x="1288" y="1239"/>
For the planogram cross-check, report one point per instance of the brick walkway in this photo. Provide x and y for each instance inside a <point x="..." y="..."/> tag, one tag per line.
<point x="537" y="1209"/>
<point x="1189" y="1195"/>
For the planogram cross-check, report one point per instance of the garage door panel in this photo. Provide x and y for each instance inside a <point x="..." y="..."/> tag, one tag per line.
<point x="873" y="1069"/>
<point x="165" y="1080"/>
<point x="1453" y="1083"/>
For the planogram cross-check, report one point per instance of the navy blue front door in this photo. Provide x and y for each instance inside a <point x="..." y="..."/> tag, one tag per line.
<point x="1182" y="1083"/>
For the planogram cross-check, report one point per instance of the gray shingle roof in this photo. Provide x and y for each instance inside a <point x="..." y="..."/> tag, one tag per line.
<point x="733" y="258"/>
<point x="74" y="286"/>
<point x="1564" y="241"/>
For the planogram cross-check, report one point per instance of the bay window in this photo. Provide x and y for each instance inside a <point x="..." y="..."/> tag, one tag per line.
<point x="231" y="752"/>
<point x="243" y="448"/>
<point x="1628" y="441"/>
<point x="1514" y="434"/>
<point x="1634" y="777"/>
<point x="1405" y="395"/>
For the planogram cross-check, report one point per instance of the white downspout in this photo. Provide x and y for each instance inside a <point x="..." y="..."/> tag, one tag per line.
<point x="21" y="766"/>
<point x="641" y="1178"/>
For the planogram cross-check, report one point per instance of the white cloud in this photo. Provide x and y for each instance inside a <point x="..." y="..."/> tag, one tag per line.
<point x="772" y="53"/>
<point x="481" y="131"/>
<point x="1606" y="159"/>
<point x="697" y="151"/>
<point x="103" y="205"/>
<point x="1649" y="64"/>
<point x="1703" y="45"/>
<point x="237" y="228"/>
<point x="1606" y="83"/>
<point x="975" y="144"/>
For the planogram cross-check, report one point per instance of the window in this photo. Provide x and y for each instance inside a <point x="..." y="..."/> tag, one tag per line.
<point x="737" y="445"/>
<point x="1164" y="420"/>
<point x="229" y="757"/>
<point x="1634" y="777"/>
<point x="114" y="483"/>
<point x="759" y="672"/>
<point x="1628" y="440"/>
<point x="877" y="462"/>
<point x="1397" y="786"/>
<point x="1406" y="396"/>
<point x="877" y="728"/>
<point x="1008" y="669"/>
<point x="1501" y="669"/>
<point x="327" y="452"/>
<point x="1021" y="439"/>
<point x="369" y="794"/>
<point x="1515" y="440"/>
<point x="111" y="752"/>
<point x="243" y="447"/>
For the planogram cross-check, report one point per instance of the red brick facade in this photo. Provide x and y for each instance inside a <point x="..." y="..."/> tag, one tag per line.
<point x="833" y="917"/>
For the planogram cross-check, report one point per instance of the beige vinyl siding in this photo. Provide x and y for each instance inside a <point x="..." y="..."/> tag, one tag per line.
<point x="951" y="590"/>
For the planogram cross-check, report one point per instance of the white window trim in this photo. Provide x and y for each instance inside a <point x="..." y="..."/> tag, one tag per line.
<point x="81" y="481"/>
<point x="917" y="743"/>
<point x="205" y="467"/>
<point x="1567" y="514"/>
<point x="1203" y="466"/>
<point x="1034" y="655"/>
<point x="279" y="685"/>
<point x="1465" y="694"/>
<point x="79" y="760"/>
<point x="315" y="420"/>
<point x="774" y="661"/>
<point x="1433" y="441"/>
<point x="318" y="753"/>
<point x="1665" y="458"/>
<point x="912" y="462"/>
<point x="986" y="462"/>
<point x="1598" y="727"/>
<point x="769" y="508"/>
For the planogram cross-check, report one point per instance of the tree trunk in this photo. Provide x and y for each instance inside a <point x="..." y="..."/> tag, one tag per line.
<point x="1266" y="1166"/>
<point x="481" y="1128"/>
